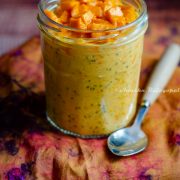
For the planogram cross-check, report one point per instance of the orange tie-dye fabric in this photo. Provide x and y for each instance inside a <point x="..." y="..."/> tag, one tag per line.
<point x="30" y="149"/>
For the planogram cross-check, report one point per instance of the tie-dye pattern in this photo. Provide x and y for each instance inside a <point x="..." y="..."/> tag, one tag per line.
<point x="30" y="149"/>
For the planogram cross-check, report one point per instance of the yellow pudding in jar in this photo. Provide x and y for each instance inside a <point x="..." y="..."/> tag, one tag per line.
<point x="92" y="63"/>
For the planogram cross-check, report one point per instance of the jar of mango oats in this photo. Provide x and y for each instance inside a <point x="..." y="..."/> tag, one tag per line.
<point x="92" y="55"/>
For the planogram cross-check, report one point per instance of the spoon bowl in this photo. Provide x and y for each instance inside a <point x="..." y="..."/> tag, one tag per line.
<point x="127" y="141"/>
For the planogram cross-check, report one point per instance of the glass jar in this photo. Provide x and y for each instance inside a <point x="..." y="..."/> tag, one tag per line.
<point x="91" y="83"/>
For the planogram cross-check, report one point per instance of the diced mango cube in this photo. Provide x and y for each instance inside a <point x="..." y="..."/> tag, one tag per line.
<point x="75" y="11"/>
<point x="100" y="21"/>
<point x="87" y="17"/>
<point x="100" y="26"/>
<point x="77" y="23"/>
<point x="113" y="14"/>
<point x="107" y="5"/>
<point x="92" y="3"/>
<point x="58" y="11"/>
<point x="51" y="15"/>
<point x="64" y="18"/>
<point x="121" y="21"/>
<point x="100" y="4"/>
<point x="97" y="11"/>
<point x="116" y="11"/>
<point x="83" y="8"/>
<point x="114" y="2"/>
<point x="69" y="4"/>
<point x="130" y="13"/>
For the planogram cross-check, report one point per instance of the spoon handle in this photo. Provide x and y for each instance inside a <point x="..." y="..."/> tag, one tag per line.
<point x="162" y="73"/>
<point x="158" y="80"/>
<point x="141" y="114"/>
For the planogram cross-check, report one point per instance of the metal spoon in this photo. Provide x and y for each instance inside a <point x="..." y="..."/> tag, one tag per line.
<point x="132" y="140"/>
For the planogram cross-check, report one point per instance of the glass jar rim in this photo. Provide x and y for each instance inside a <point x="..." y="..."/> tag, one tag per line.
<point x="120" y="28"/>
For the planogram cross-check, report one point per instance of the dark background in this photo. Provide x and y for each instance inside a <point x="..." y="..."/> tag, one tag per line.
<point x="18" y="19"/>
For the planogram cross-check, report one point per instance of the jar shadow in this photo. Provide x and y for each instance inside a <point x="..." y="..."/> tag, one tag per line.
<point x="22" y="110"/>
